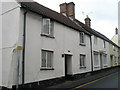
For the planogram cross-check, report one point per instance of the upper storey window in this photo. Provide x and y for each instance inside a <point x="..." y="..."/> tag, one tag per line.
<point x="82" y="38"/>
<point x="47" y="27"/>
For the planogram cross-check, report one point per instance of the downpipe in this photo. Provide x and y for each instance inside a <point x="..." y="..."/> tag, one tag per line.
<point x="23" y="54"/>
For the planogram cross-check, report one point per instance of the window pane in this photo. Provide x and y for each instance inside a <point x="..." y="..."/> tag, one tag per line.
<point x="49" y="59"/>
<point x="82" y="60"/>
<point x="51" y="28"/>
<point x="43" y="59"/>
<point x="95" y="59"/>
<point x="46" y="26"/>
<point x="105" y="59"/>
<point x="81" y="37"/>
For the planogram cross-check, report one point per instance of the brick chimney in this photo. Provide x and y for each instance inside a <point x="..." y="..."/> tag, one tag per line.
<point x="68" y="9"/>
<point x="63" y="9"/>
<point x="116" y="31"/>
<point x="88" y="21"/>
<point x="71" y="10"/>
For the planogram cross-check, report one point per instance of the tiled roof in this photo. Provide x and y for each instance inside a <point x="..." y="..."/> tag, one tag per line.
<point x="46" y="12"/>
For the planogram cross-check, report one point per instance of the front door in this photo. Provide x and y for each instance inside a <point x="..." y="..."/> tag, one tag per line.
<point x="68" y="66"/>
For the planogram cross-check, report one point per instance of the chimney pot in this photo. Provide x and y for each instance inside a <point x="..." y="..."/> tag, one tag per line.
<point x="88" y="21"/>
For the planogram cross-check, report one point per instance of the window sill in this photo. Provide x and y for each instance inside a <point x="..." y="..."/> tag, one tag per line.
<point x="46" y="68"/>
<point x="83" y="67"/>
<point x="105" y="66"/>
<point x="47" y="36"/>
<point x="96" y="66"/>
<point x="82" y="44"/>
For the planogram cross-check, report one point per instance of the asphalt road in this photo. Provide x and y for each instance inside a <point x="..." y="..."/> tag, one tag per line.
<point x="110" y="81"/>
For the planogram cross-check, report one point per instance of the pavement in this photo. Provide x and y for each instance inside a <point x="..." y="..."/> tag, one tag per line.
<point x="75" y="83"/>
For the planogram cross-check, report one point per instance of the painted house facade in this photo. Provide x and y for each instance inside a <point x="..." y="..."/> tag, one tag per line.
<point x="100" y="53"/>
<point x="10" y="38"/>
<point x="51" y="45"/>
<point x="100" y="46"/>
<point x="41" y="45"/>
<point x="114" y="55"/>
<point x="116" y="37"/>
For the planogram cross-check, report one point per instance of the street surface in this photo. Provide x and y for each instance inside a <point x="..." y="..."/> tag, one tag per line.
<point x="110" y="81"/>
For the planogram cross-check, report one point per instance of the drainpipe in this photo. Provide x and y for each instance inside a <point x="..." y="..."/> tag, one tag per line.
<point x="91" y="54"/>
<point x="24" y="42"/>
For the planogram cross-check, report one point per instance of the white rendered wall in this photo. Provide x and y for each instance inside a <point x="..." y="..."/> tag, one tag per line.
<point x="99" y="47"/>
<point x="65" y="39"/>
<point x="10" y="33"/>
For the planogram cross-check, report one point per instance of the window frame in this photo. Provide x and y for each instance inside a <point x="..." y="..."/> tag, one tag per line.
<point x="83" y="61"/>
<point x="82" y="38"/>
<point x="50" y="27"/>
<point x="46" y="67"/>
<point x="105" y="60"/>
<point x="96" y="65"/>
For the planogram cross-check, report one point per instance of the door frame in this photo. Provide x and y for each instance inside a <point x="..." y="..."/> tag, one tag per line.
<point x="66" y="60"/>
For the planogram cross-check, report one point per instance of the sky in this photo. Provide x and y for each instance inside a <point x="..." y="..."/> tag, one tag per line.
<point x="103" y="13"/>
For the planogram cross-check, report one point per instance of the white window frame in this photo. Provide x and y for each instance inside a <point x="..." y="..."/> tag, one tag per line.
<point x="83" y="60"/>
<point x="46" y="58"/>
<point x="50" y="27"/>
<point x="82" y="38"/>
<point x="96" y="65"/>
<point x="105" y="59"/>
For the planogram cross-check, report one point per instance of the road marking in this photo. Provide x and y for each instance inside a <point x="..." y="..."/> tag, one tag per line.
<point x="93" y="81"/>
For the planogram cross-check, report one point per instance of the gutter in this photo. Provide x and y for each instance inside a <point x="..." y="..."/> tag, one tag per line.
<point x="24" y="44"/>
<point x="91" y="54"/>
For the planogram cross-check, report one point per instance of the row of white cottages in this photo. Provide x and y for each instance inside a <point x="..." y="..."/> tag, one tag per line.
<point x="40" y="44"/>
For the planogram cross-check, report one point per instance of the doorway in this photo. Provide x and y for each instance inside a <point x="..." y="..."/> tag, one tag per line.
<point x="68" y="66"/>
<point x="111" y="60"/>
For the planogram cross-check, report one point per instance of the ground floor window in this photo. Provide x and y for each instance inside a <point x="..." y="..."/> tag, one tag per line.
<point x="82" y="60"/>
<point x="115" y="60"/>
<point x="105" y="59"/>
<point x="47" y="59"/>
<point x="96" y="61"/>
